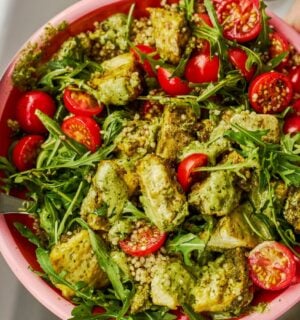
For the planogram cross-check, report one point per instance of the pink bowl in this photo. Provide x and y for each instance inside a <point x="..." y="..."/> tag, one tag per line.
<point x="18" y="252"/>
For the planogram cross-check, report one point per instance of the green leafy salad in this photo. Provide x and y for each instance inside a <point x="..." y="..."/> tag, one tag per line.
<point x="160" y="154"/>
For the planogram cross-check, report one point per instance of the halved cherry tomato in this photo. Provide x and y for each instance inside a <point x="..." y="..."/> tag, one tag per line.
<point x="26" y="151"/>
<point x="294" y="75"/>
<point x="238" y="58"/>
<point x="84" y="130"/>
<point x="185" y="174"/>
<point x="202" y="68"/>
<point x="270" y="92"/>
<point x="291" y="125"/>
<point x="143" y="241"/>
<point x="272" y="265"/>
<point x="278" y="45"/>
<point x="296" y="107"/>
<point x="81" y="103"/>
<point x="146" y="64"/>
<point x="241" y="20"/>
<point x="172" y="85"/>
<point x="26" y="106"/>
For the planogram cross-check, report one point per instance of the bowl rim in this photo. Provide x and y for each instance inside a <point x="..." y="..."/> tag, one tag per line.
<point x="8" y="247"/>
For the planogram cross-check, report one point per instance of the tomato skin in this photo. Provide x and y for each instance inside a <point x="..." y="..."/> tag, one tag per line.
<point x="202" y="68"/>
<point x="278" y="45"/>
<point x="81" y="103"/>
<point x="25" y="152"/>
<point x="173" y="86"/>
<point x="150" y="109"/>
<point x="146" y="64"/>
<point x="180" y="314"/>
<point x="296" y="107"/>
<point x="270" y="92"/>
<point x="25" y="110"/>
<point x="143" y="241"/>
<point x="238" y="58"/>
<point x="84" y="130"/>
<point x="294" y="75"/>
<point x="235" y="16"/>
<point x="291" y="125"/>
<point x="272" y="266"/>
<point x="205" y="18"/>
<point x="186" y="166"/>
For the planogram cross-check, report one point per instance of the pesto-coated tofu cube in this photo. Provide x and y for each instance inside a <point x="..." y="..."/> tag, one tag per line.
<point x="291" y="211"/>
<point x="74" y="256"/>
<point x="170" y="32"/>
<point x="163" y="201"/>
<point x="120" y="81"/>
<point x="176" y="131"/>
<point x="216" y="195"/>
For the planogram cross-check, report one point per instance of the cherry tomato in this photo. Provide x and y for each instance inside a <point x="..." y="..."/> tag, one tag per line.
<point x="202" y="68"/>
<point x="238" y="58"/>
<point x="296" y="107"/>
<point x="180" y="314"/>
<point x="272" y="265"/>
<point x="278" y="45"/>
<point x="270" y="92"/>
<point x="143" y="241"/>
<point x="81" y="103"/>
<point x="26" y="106"/>
<point x="294" y="75"/>
<point x="205" y="18"/>
<point x="185" y="169"/>
<point x="241" y="20"/>
<point x="172" y="85"/>
<point x="84" y="130"/>
<point x="146" y="64"/>
<point x="26" y="151"/>
<point x="291" y="125"/>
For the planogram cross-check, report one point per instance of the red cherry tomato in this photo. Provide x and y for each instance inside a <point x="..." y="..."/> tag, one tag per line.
<point x="238" y="58"/>
<point x="294" y="75"/>
<point x="241" y="20"/>
<point x="81" y="103"/>
<point x="278" y="45"/>
<point x="143" y="241"/>
<point x="26" y="151"/>
<point x="270" y="92"/>
<point x="296" y="107"/>
<point x="291" y="125"/>
<point x="205" y="18"/>
<point x="202" y="68"/>
<point x="146" y="64"/>
<point x="185" y="174"/>
<point x="26" y="106"/>
<point x="84" y="130"/>
<point x="272" y="265"/>
<point x="172" y="85"/>
<point x="180" y="314"/>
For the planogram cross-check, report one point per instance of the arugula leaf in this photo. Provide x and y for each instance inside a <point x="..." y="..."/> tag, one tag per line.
<point x="273" y="63"/>
<point x="188" y="6"/>
<point x="129" y="23"/>
<point x="263" y="41"/>
<point x="27" y="233"/>
<point x="179" y="70"/>
<point x="191" y="314"/>
<point x="186" y="244"/>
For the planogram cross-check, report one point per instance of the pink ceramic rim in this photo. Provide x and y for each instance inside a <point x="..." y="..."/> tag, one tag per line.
<point x="14" y="258"/>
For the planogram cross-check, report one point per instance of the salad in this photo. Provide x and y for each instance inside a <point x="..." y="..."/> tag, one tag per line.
<point x="159" y="154"/>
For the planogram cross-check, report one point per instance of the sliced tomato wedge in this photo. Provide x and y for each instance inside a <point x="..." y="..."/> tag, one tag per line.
<point x="270" y="92"/>
<point x="81" y="103"/>
<point x="272" y="265"/>
<point x="241" y="20"/>
<point x="84" y="130"/>
<point x="278" y="45"/>
<point x="202" y="68"/>
<point x="238" y="58"/>
<point x="185" y="174"/>
<point x="26" y="151"/>
<point x="172" y="85"/>
<point x="26" y="106"/>
<point x="145" y="64"/>
<point x="143" y="241"/>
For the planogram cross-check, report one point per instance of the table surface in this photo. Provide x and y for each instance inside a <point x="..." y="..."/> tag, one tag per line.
<point x="18" y="20"/>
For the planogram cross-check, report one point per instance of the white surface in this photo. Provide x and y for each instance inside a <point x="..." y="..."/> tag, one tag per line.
<point x="18" y="20"/>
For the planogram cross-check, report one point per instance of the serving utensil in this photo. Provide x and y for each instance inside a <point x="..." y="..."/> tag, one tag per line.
<point x="10" y="204"/>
